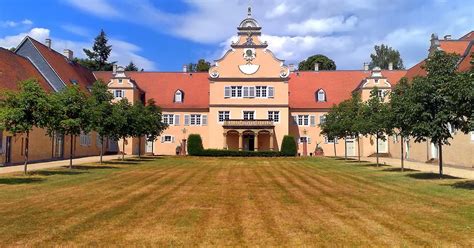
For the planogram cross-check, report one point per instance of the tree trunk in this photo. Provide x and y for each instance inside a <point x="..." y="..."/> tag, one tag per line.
<point x="345" y="148"/>
<point x="139" y="147"/>
<point x="401" y="154"/>
<point x="358" y="147"/>
<point x="123" y="149"/>
<point x="440" y="159"/>
<point x="377" y="149"/>
<point x="27" y="141"/>
<point x="101" y="148"/>
<point x="70" y="151"/>
<point x="334" y="142"/>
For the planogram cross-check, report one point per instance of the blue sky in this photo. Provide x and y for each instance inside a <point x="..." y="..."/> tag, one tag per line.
<point x="163" y="35"/>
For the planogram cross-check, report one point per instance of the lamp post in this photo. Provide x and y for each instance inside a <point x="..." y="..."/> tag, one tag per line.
<point x="183" y="142"/>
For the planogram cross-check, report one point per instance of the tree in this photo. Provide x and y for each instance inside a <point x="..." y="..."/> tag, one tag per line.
<point x="97" y="59"/>
<point x="325" y="63"/>
<point x="288" y="146"/>
<point x="70" y="115"/>
<point x="131" y="67"/>
<point x="195" y="144"/>
<point x="351" y="119"/>
<point x="375" y="116"/>
<point x="201" y="66"/>
<point x="23" y="110"/>
<point x="401" y="113"/>
<point x="155" y="123"/>
<point x="139" y="125"/>
<point x="330" y="127"/>
<point x="383" y="56"/>
<point x="442" y="102"/>
<point x="101" y="117"/>
<point x="122" y="116"/>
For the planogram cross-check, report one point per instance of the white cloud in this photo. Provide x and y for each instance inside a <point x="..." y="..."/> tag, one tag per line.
<point x="77" y="30"/>
<point x="123" y="52"/>
<point x="323" y="26"/>
<point x="12" y="24"/>
<point x="96" y="7"/>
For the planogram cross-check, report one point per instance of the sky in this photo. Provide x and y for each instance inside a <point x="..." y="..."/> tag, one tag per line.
<point x="163" y="35"/>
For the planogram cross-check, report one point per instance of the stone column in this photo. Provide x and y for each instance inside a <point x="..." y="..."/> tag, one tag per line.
<point x="225" y="141"/>
<point x="271" y="142"/>
<point x="241" y="143"/>
<point x="256" y="141"/>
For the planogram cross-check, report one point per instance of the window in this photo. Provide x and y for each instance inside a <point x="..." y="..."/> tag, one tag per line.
<point x="261" y="91"/>
<point x="236" y="91"/>
<point x="168" y="119"/>
<point x="119" y="93"/>
<point x="303" y="120"/>
<point x="195" y="120"/>
<point x="85" y="139"/>
<point x="329" y="140"/>
<point x="322" y="119"/>
<point x="248" y="91"/>
<point x="120" y="81"/>
<point x="249" y="115"/>
<point x="274" y="116"/>
<point x="167" y="139"/>
<point x="381" y="94"/>
<point x="224" y="115"/>
<point x="304" y="139"/>
<point x="178" y="96"/>
<point x="98" y="140"/>
<point x="321" y="95"/>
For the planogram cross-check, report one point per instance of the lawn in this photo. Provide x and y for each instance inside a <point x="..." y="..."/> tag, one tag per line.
<point x="170" y="201"/>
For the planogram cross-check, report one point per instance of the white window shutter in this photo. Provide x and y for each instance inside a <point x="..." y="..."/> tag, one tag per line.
<point x="312" y="120"/>
<point x="308" y="139"/>
<point x="227" y="91"/>
<point x="204" y="120"/>
<point x="186" y="120"/>
<point x="162" y="139"/>
<point x="176" y="120"/>
<point x="271" y="92"/>
<point x="245" y="90"/>
<point x="172" y="139"/>
<point x="252" y="91"/>
<point x="123" y="93"/>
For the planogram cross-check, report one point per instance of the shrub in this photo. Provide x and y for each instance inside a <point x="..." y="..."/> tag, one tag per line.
<point x="288" y="146"/>
<point x="234" y="153"/>
<point x="195" y="144"/>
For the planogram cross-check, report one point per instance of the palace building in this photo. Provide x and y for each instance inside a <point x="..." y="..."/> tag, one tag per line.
<point x="249" y="100"/>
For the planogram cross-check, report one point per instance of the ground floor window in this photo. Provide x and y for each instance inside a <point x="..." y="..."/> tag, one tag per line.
<point x="85" y="139"/>
<point x="305" y="139"/>
<point x="167" y="139"/>
<point x="249" y="115"/>
<point x="224" y="115"/>
<point x="274" y="116"/>
<point x="329" y="140"/>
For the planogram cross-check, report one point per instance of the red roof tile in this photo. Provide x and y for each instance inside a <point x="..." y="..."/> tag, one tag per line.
<point x="454" y="46"/>
<point x="161" y="86"/>
<point x="468" y="36"/>
<point x="465" y="64"/>
<point x="67" y="70"/>
<point x="338" y="86"/>
<point x="15" y="68"/>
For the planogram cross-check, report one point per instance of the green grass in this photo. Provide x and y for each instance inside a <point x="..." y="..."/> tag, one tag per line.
<point x="171" y="201"/>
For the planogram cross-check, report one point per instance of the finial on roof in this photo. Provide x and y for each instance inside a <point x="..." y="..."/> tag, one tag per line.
<point x="249" y="11"/>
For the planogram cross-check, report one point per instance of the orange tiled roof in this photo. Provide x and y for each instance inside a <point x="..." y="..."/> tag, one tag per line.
<point x="454" y="46"/>
<point x="338" y="86"/>
<point x="161" y="86"/>
<point x="468" y="36"/>
<point x="66" y="70"/>
<point x="15" y="68"/>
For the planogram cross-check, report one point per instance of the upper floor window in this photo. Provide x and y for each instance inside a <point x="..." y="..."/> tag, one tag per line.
<point x="224" y="115"/>
<point x="178" y="96"/>
<point x="303" y="120"/>
<point x="249" y="115"/>
<point x="249" y="91"/>
<point x="119" y="93"/>
<point x="120" y="81"/>
<point x="168" y="119"/>
<point x="381" y="94"/>
<point x="274" y="116"/>
<point x="321" y="95"/>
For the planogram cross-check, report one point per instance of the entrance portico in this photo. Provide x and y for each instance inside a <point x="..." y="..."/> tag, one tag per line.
<point x="249" y="135"/>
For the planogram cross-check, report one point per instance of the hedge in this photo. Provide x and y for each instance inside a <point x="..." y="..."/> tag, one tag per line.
<point x="288" y="146"/>
<point x="234" y="153"/>
<point x="195" y="144"/>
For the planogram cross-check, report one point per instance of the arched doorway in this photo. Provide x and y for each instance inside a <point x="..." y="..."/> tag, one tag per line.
<point x="248" y="138"/>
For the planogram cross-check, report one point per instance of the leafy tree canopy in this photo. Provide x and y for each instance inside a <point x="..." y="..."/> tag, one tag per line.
<point x="201" y="66"/>
<point x="383" y="56"/>
<point x="97" y="59"/>
<point x="325" y="63"/>
<point x="131" y="67"/>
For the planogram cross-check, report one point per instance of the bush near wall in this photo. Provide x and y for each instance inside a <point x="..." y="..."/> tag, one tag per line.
<point x="195" y="144"/>
<point x="288" y="146"/>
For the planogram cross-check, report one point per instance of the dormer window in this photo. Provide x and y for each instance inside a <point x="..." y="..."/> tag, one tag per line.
<point x="321" y="95"/>
<point x="178" y="96"/>
<point x="120" y="81"/>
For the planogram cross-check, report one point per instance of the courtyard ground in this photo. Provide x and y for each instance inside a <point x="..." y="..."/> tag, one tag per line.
<point x="174" y="201"/>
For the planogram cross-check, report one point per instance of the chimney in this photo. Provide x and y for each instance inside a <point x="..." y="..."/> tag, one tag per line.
<point x="114" y="69"/>
<point x="390" y="66"/>
<point x="185" y="68"/>
<point x="48" y="43"/>
<point x="316" y="67"/>
<point x="292" y="67"/>
<point x="447" y="37"/>
<point x="68" y="54"/>
<point x="366" y="66"/>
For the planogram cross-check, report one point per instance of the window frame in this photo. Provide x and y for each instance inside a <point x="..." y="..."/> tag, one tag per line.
<point x="303" y="119"/>
<point x="224" y="113"/>
<point x="196" y="118"/>
<point x="244" y="112"/>
<point x="180" y="94"/>
<point x="122" y="93"/>
<point x="271" y="115"/>
<point x="323" y="93"/>
<point x="167" y="117"/>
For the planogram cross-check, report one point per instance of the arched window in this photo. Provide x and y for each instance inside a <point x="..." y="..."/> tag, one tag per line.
<point x="178" y="96"/>
<point x="320" y="95"/>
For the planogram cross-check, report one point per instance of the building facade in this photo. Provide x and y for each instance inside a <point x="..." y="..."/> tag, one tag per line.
<point x="248" y="100"/>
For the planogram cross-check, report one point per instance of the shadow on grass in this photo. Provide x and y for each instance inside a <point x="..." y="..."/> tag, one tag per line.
<point x="464" y="185"/>
<point x="91" y="167"/>
<point x="369" y="164"/>
<point x="398" y="170"/>
<point x="20" y="180"/>
<point x="120" y="162"/>
<point x="429" y="176"/>
<point x="55" y="172"/>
